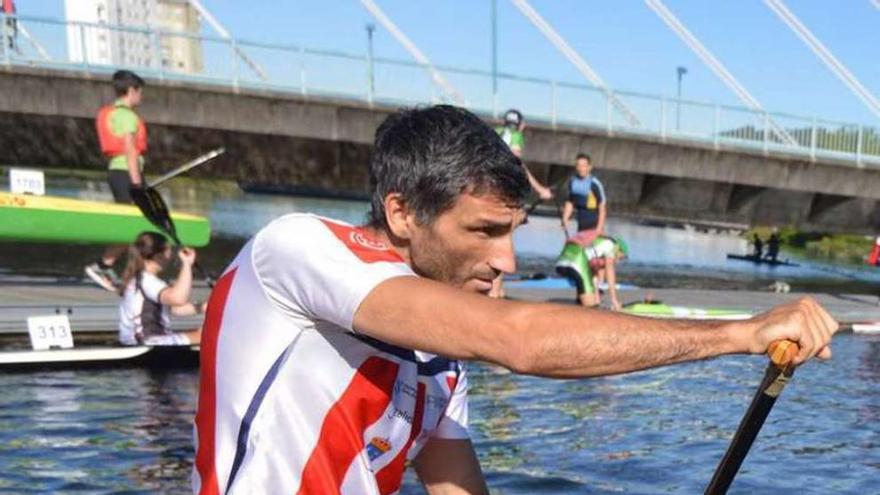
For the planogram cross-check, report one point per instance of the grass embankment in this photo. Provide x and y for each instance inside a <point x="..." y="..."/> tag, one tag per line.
<point x="838" y="248"/>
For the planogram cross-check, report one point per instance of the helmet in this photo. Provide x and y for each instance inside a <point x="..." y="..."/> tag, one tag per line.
<point x="622" y="246"/>
<point x="513" y="118"/>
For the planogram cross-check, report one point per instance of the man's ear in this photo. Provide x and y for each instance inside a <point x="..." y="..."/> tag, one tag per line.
<point x="398" y="216"/>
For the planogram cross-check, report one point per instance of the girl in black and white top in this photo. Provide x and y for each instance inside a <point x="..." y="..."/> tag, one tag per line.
<point x="147" y="300"/>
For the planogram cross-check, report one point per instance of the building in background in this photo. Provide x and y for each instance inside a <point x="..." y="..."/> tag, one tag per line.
<point x="120" y="33"/>
<point x="180" y="53"/>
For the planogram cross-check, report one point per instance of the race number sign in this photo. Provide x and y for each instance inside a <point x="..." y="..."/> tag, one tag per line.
<point x="23" y="181"/>
<point x="50" y="331"/>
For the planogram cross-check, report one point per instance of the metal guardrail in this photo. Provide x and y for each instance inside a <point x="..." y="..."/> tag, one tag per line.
<point x="52" y="43"/>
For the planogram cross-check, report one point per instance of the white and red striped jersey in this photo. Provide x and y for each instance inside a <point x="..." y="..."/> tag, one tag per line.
<point x="291" y="399"/>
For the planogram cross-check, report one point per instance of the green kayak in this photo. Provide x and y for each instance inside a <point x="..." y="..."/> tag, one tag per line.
<point x="24" y="217"/>
<point x="660" y="310"/>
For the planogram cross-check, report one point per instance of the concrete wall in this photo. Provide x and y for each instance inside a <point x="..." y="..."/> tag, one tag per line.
<point x="319" y="144"/>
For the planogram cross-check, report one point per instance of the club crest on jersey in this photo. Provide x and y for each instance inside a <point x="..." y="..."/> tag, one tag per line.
<point x="377" y="447"/>
<point x="361" y="240"/>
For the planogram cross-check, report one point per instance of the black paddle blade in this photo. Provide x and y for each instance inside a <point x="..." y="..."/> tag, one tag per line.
<point x="771" y="386"/>
<point x="151" y="204"/>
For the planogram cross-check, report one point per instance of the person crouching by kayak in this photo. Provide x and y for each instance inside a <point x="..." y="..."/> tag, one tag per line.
<point x="582" y="265"/>
<point x="147" y="300"/>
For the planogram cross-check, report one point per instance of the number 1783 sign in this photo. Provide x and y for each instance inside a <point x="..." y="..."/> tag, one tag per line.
<point x="50" y="331"/>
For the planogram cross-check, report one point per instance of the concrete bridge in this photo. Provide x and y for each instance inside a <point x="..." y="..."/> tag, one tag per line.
<point x="321" y="145"/>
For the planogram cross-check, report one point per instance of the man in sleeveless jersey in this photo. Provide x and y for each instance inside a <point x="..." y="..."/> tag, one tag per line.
<point x="122" y="135"/>
<point x="332" y="354"/>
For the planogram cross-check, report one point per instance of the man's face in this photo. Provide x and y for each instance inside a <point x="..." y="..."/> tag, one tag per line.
<point x="582" y="167"/>
<point x="135" y="95"/>
<point x="468" y="245"/>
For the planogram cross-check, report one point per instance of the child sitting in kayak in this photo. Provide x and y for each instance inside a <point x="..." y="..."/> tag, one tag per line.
<point x="582" y="265"/>
<point x="147" y="300"/>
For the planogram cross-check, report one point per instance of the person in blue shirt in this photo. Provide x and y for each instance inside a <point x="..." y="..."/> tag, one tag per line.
<point x="586" y="202"/>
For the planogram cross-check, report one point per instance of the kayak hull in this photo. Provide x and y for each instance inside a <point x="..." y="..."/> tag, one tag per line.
<point x="760" y="261"/>
<point x="683" y="312"/>
<point x="156" y="357"/>
<point x="66" y="220"/>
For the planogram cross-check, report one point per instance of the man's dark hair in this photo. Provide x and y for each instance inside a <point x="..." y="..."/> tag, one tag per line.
<point x="583" y="156"/>
<point x="431" y="155"/>
<point x="125" y="79"/>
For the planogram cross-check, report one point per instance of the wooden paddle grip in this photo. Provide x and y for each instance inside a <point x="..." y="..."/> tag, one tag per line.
<point x="782" y="352"/>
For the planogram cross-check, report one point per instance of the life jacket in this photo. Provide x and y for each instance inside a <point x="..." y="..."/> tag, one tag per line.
<point x="111" y="144"/>
<point x="8" y="7"/>
<point x="874" y="257"/>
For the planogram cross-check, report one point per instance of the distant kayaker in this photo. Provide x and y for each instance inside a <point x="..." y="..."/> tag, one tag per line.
<point x="773" y="247"/>
<point x="759" y="247"/>
<point x="148" y="301"/>
<point x="7" y="7"/>
<point x="511" y="133"/>
<point x="586" y="202"/>
<point x="874" y="255"/>
<point x="333" y="355"/>
<point x="122" y="135"/>
<point x="586" y="266"/>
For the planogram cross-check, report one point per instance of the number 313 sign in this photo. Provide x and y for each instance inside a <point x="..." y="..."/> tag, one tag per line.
<point x="50" y="331"/>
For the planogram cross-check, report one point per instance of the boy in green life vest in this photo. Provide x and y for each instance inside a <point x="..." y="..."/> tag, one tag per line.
<point x="582" y="265"/>
<point x="512" y="134"/>
<point x="123" y="139"/>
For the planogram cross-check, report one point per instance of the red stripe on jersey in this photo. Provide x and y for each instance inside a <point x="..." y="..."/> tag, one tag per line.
<point x="342" y="434"/>
<point x="362" y="244"/>
<point x="452" y="381"/>
<point x="206" y="414"/>
<point x="390" y="477"/>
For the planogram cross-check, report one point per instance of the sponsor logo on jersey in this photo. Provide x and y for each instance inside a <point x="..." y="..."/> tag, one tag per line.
<point x="377" y="447"/>
<point x="360" y="239"/>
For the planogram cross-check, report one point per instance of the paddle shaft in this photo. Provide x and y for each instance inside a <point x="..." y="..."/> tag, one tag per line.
<point x="187" y="166"/>
<point x="776" y="376"/>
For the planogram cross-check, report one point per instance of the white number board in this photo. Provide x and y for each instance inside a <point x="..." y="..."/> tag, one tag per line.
<point x="23" y="181"/>
<point x="50" y="331"/>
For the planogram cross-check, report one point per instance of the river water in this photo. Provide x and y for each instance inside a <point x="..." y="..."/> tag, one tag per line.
<point x="658" y="431"/>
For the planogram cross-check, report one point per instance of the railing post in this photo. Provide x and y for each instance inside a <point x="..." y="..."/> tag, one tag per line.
<point x="717" y="133"/>
<point x="608" y="125"/>
<point x="4" y="38"/>
<point x="157" y="52"/>
<point x="663" y="119"/>
<point x="766" y="133"/>
<point x="235" y="67"/>
<point x="813" y="132"/>
<point x="83" y="46"/>
<point x="553" y="103"/>
<point x="859" y="145"/>
<point x="370" y="77"/>
<point x="302" y="70"/>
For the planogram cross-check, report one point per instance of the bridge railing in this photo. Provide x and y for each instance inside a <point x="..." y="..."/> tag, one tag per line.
<point x="102" y="48"/>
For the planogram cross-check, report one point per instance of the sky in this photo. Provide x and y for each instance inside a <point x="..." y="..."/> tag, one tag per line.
<point x="622" y="40"/>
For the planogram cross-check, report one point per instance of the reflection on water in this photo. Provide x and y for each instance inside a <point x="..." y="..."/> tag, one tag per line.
<point x="658" y="431"/>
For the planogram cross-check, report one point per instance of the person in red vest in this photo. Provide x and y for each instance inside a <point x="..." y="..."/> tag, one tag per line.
<point x="7" y="7"/>
<point x="874" y="256"/>
<point x="122" y="135"/>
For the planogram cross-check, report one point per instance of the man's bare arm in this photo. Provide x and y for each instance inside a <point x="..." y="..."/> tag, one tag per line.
<point x="600" y="226"/>
<point x="132" y="160"/>
<point x="568" y="341"/>
<point x="567" y="211"/>
<point x="450" y="467"/>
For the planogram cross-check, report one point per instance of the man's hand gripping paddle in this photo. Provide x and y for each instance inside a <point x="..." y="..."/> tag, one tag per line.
<point x="778" y="372"/>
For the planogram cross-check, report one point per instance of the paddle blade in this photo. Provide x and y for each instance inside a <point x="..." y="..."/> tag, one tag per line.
<point x="151" y="204"/>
